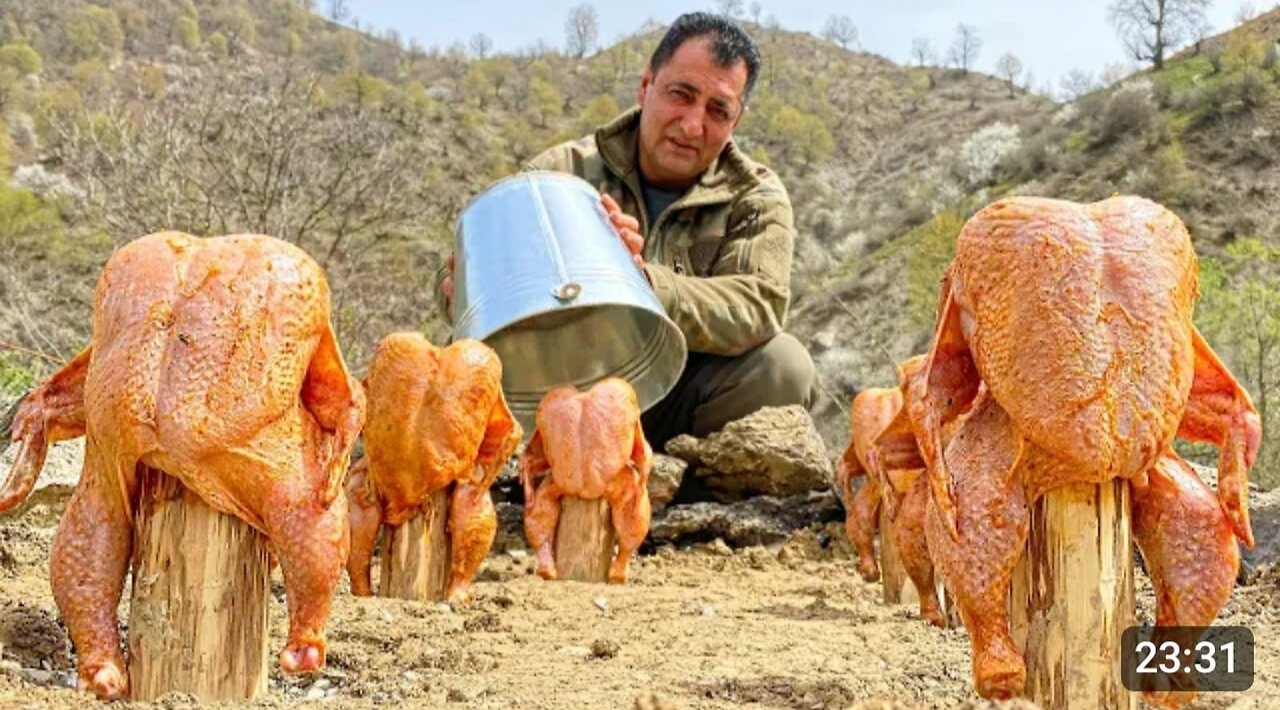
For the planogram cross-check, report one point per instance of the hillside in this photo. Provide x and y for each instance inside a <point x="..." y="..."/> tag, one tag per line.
<point x="127" y="117"/>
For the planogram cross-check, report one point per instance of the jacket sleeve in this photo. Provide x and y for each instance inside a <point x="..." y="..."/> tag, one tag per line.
<point x="743" y="303"/>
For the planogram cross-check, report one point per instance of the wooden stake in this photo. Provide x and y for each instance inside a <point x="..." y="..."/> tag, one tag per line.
<point x="415" y="555"/>
<point x="198" y="610"/>
<point x="897" y="586"/>
<point x="584" y="540"/>
<point x="1073" y="597"/>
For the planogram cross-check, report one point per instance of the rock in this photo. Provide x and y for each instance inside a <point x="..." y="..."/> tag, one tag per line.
<point x="510" y="535"/>
<point x="62" y="464"/>
<point x="604" y="649"/>
<point x="761" y="520"/>
<point x="664" y="480"/>
<point x="775" y="451"/>
<point x="649" y="700"/>
<point x="1260" y="562"/>
<point x="834" y="484"/>
<point x="506" y="487"/>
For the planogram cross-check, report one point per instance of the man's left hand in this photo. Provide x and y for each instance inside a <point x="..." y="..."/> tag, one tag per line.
<point x="628" y="229"/>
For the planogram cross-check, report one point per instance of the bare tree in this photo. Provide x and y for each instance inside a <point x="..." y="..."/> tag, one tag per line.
<point x="730" y="8"/>
<point x="756" y="9"/>
<point x="338" y="10"/>
<point x="455" y="61"/>
<point x="1245" y="12"/>
<point x="841" y="30"/>
<point x="480" y="45"/>
<point x="1009" y="68"/>
<point x="922" y="52"/>
<point x="1151" y="28"/>
<point x="1076" y="83"/>
<point x="581" y="29"/>
<point x="964" y="49"/>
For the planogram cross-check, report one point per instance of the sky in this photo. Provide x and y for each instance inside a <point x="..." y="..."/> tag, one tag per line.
<point x="1050" y="37"/>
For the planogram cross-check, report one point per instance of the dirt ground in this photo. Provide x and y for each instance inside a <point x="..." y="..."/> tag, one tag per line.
<point x="706" y="627"/>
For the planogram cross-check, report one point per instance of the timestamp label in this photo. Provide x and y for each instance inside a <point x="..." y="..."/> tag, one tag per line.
<point x="1200" y="658"/>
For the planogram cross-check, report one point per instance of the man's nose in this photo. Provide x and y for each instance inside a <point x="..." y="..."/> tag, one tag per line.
<point x="691" y="122"/>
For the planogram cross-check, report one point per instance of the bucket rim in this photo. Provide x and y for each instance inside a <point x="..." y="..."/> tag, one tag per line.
<point x="661" y="317"/>
<point x="522" y="176"/>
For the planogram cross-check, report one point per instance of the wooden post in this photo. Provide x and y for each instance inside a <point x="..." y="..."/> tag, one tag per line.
<point x="897" y="586"/>
<point x="584" y="540"/>
<point x="415" y="555"/>
<point x="198" y="610"/>
<point x="1073" y="597"/>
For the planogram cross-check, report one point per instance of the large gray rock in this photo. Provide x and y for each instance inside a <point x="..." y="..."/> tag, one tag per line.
<point x="775" y="451"/>
<point x="757" y="521"/>
<point x="664" y="481"/>
<point x="1261" y="562"/>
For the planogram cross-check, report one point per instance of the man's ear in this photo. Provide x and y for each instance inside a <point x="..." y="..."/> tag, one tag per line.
<point x="646" y="80"/>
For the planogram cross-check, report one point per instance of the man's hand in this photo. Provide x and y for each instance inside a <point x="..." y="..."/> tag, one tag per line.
<point x="628" y="229"/>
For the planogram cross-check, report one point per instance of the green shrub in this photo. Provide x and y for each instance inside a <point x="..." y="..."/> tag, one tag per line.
<point x="186" y="32"/>
<point x="15" y="379"/>
<point x="930" y="248"/>
<point x="1128" y="112"/>
<point x="21" y="58"/>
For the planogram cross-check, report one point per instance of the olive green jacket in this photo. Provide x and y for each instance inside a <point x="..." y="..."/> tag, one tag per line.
<point x="719" y="257"/>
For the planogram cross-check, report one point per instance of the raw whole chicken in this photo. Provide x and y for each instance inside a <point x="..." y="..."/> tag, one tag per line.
<point x="588" y="445"/>
<point x="437" y="420"/>
<point x="1065" y="353"/>
<point x="213" y="361"/>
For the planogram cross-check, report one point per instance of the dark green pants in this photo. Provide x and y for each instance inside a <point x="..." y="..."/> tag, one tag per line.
<point x="714" y="390"/>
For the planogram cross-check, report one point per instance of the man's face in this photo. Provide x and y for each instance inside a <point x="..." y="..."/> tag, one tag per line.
<point x="689" y="109"/>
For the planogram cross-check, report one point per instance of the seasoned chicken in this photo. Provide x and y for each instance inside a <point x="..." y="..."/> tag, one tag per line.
<point x="1065" y="353"/>
<point x="870" y="413"/>
<point x="437" y="420"/>
<point x="588" y="445"/>
<point x="213" y="361"/>
<point x="895" y="459"/>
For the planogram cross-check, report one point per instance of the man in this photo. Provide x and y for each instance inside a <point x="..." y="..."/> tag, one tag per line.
<point x="711" y="229"/>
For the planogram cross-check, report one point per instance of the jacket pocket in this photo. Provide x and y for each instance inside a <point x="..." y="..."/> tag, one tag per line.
<point x="705" y="239"/>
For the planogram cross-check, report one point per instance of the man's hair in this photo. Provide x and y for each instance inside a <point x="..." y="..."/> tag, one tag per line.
<point x="729" y="43"/>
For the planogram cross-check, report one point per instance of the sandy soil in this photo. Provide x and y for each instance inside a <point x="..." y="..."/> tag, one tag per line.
<point x="707" y="627"/>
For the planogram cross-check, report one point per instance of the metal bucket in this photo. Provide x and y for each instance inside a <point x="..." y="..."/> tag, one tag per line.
<point x="542" y="278"/>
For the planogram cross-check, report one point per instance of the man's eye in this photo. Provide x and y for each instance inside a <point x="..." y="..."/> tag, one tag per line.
<point x="680" y="95"/>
